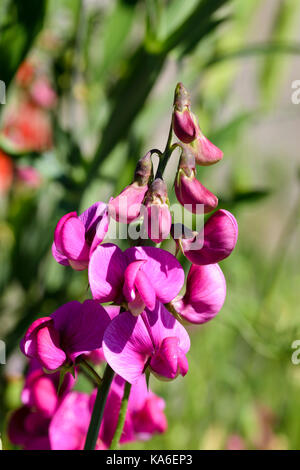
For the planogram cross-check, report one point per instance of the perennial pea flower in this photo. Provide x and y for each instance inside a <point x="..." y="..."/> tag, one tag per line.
<point x="153" y="339"/>
<point x="40" y="390"/>
<point x="76" y="237"/>
<point x="183" y="122"/>
<point x="188" y="131"/>
<point x="214" y="243"/>
<point x="134" y="278"/>
<point x="159" y="218"/>
<point x="126" y="207"/>
<point x="189" y="191"/>
<point x="144" y="417"/>
<point x="72" y="330"/>
<point x="204" y="297"/>
<point x="28" y="425"/>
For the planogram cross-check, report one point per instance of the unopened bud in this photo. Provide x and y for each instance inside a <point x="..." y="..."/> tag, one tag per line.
<point x="158" y="214"/>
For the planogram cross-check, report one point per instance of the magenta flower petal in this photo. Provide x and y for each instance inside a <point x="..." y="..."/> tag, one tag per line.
<point x="106" y="269"/>
<point x="130" y="275"/>
<point x="28" y="343"/>
<point x="48" y="348"/>
<point x="164" y="325"/>
<point x="205" y="294"/>
<point x="165" y="360"/>
<point x="58" y="230"/>
<point x="85" y="332"/>
<point x="193" y="195"/>
<point x="162" y="269"/>
<point x="220" y="237"/>
<point x="126" y="207"/>
<point x="127" y="346"/>
<point x="68" y="427"/>
<point x="72" y="240"/>
<point x="130" y="342"/>
<point x="61" y="259"/>
<point x="95" y="220"/>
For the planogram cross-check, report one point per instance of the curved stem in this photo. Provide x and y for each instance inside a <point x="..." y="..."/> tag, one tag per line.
<point x="122" y="416"/>
<point x="98" y="409"/>
<point x="164" y="157"/>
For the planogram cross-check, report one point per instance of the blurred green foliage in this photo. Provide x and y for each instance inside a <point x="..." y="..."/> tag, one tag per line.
<point x="114" y="66"/>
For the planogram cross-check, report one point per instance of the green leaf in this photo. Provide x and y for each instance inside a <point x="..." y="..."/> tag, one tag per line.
<point x="22" y="26"/>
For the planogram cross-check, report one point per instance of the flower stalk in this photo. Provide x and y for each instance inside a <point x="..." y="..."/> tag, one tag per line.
<point x="122" y="415"/>
<point x="94" y="427"/>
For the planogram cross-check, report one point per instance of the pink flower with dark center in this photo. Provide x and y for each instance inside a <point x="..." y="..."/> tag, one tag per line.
<point x="72" y="330"/>
<point x="136" y="277"/>
<point x="153" y="339"/>
<point x="75" y="238"/>
<point x="216" y="241"/>
<point x="205" y="294"/>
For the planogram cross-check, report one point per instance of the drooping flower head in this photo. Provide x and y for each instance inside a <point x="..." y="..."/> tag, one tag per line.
<point x="76" y="237"/>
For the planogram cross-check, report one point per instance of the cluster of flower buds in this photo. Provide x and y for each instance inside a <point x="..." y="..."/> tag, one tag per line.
<point x="141" y="331"/>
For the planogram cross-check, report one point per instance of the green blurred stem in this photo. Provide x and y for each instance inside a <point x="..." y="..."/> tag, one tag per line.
<point x="122" y="415"/>
<point x="90" y="372"/>
<point x="164" y="157"/>
<point x="98" y="409"/>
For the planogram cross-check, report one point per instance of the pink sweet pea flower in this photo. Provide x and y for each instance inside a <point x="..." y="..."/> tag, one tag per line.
<point x="183" y="122"/>
<point x="72" y="330"/>
<point x="69" y="426"/>
<point x="136" y="277"/>
<point x="158" y="215"/>
<point x="189" y="191"/>
<point x="153" y="339"/>
<point x="28" y="428"/>
<point x="214" y="243"/>
<point x="205" y="294"/>
<point x="75" y="238"/>
<point x="40" y="391"/>
<point x="146" y="410"/>
<point x="126" y="207"/>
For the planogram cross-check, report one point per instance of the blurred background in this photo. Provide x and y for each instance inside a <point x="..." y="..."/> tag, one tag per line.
<point x="89" y="89"/>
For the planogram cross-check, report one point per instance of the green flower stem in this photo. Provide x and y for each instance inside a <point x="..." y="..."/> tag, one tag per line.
<point x="98" y="410"/>
<point x="122" y="415"/>
<point x="164" y="157"/>
<point x="90" y="372"/>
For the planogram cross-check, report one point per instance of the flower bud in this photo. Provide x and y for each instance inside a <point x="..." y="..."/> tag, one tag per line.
<point x="189" y="191"/>
<point x="158" y="214"/>
<point x="206" y="153"/>
<point x="213" y="244"/>
<point x="204" y="296"/>
<point x="127" y="205"/>
<point x="183" y="123"/>
<point x="169" y="360"/>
